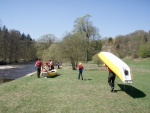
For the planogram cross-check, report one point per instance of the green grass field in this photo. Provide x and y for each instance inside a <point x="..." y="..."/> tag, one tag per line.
<point x="67" y="94"/>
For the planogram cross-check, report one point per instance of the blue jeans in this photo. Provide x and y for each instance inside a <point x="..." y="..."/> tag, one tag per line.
<point x="80" y="74"/>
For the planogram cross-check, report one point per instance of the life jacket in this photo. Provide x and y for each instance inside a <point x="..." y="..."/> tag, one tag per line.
<point x="44" y="70"/>
<point x="80" y="67"/>
<point x="38" y="64"/>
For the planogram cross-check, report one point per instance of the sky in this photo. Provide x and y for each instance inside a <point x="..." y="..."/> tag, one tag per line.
<point x="41" y="17"/>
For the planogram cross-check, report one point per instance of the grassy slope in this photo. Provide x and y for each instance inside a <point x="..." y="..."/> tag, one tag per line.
<point x="67" y="94"/>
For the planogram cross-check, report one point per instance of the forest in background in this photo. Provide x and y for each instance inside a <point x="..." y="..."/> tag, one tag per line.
<point x="15" y="46"/>
<point x="81" y="44"/>
<point x="136" y="44"/>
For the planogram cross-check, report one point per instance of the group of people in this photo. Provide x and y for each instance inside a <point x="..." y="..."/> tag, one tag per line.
<point x="49" y="66"/>
<point x="40" y="67"/>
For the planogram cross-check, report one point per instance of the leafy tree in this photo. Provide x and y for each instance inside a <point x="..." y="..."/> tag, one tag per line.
<point x="53" y="53"/>
<point x="27" y="47"/>
<point x="145" y="39"/>
<point x="84" y="25"/>
<point x="14" y="46"/>
<point x="4" y="43"/>
<point x="31" y="51"/>
<point x="110" y="40"/>
<point x="29" y="37"/>
<point x="73" y="47"/>
<point x="94" y="47"/>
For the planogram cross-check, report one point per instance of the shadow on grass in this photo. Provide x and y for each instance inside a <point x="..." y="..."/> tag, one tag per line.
<point x="87" y="79"/>
<point x="132" y="91"/>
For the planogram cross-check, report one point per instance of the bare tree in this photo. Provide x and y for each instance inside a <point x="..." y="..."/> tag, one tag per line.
<point x="43" y="43"/>
<point x="47" y="40"/>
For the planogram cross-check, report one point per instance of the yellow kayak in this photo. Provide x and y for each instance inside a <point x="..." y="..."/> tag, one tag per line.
<point x="52" y="73"/>
<point x="120" y="68"/>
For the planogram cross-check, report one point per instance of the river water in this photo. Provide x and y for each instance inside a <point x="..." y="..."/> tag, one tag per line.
<point x="14" y="71"/>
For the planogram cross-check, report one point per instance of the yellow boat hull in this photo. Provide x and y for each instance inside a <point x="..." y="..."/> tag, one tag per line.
<point x="120" y="68"/>
<point x="52" y="73"/>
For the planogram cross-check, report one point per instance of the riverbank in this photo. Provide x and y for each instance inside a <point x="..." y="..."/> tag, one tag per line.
<point x="7" y="67"/>
<point x="30" y="74"/>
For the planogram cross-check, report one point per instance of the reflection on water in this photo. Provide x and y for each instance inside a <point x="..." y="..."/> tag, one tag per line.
<point x="18" y="70"/>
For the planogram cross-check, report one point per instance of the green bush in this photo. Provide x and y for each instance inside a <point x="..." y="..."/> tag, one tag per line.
<point x="144" y="50"/>
<point x="96" y="59"/>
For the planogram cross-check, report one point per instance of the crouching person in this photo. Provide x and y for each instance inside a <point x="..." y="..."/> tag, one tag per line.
<point x="45" y="70"/>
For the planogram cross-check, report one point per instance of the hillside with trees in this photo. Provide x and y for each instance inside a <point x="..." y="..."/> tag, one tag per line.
<point x="84" y="42"/>
<point x="81" y="44"/>
<point x="135" y="45"/>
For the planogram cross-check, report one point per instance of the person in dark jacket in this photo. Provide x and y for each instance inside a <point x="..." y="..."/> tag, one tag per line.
<point x="111" y="78"/>
<point x="80" y="69"/>
<point x="38" y="65"/>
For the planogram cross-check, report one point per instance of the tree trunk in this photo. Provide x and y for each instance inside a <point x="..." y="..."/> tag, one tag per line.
<point x="73" y="65"/>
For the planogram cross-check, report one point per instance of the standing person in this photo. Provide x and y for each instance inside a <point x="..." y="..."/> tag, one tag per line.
<point x="51" y="65"/>
<point x="111" y="78"/>
<point x="58" y="64"/>
<point x="80" y="68"/>
<point x="38" y="65"/>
